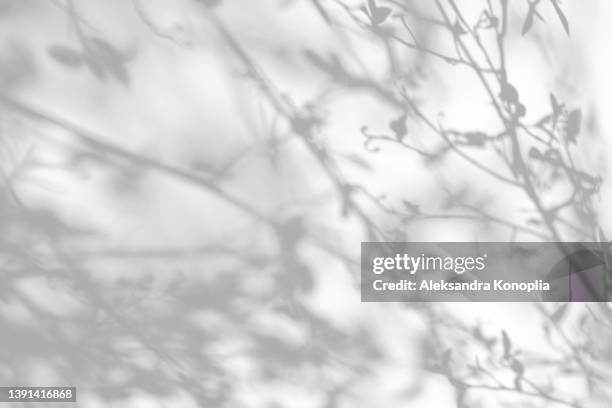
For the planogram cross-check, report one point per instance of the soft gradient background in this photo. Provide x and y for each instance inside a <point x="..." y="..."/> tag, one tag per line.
<point x="185" y="185"/>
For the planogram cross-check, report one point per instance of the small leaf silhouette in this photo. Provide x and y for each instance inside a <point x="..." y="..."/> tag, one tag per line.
<point x="378" y="14"/>
<point x="413" y="208"/>
<point x="595" y="181"/>
<point x="358" y="161"/>
<point x="398" y="126"/>
<point x="487" y="341"/>
<point x="103" y="58"/>
<point x="104" y="46"/>
<point x="517" y="383"/>
<point x="210" y="3"/>
<point x="556" y="108"/>
<point x="509" y="93"/>
<point x="66" y="55"/>
<point x="559" y="313"/>
<point x="518" y="368"/>
<point x="534" y="221"/>
<point x="302" y="125"/>
<point x="528" y="19"/>
<point x="472" y="138"/>
<point x="108" y="54"/>
<point x="322" y="12"/>
<point x="574" y="119"/>
<point x="534" y="153"/>
<point x="458" y="29"/>
<point x="333" y="67"/>
<point x="561" y="16"/>
<point x="507" y="344"/>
